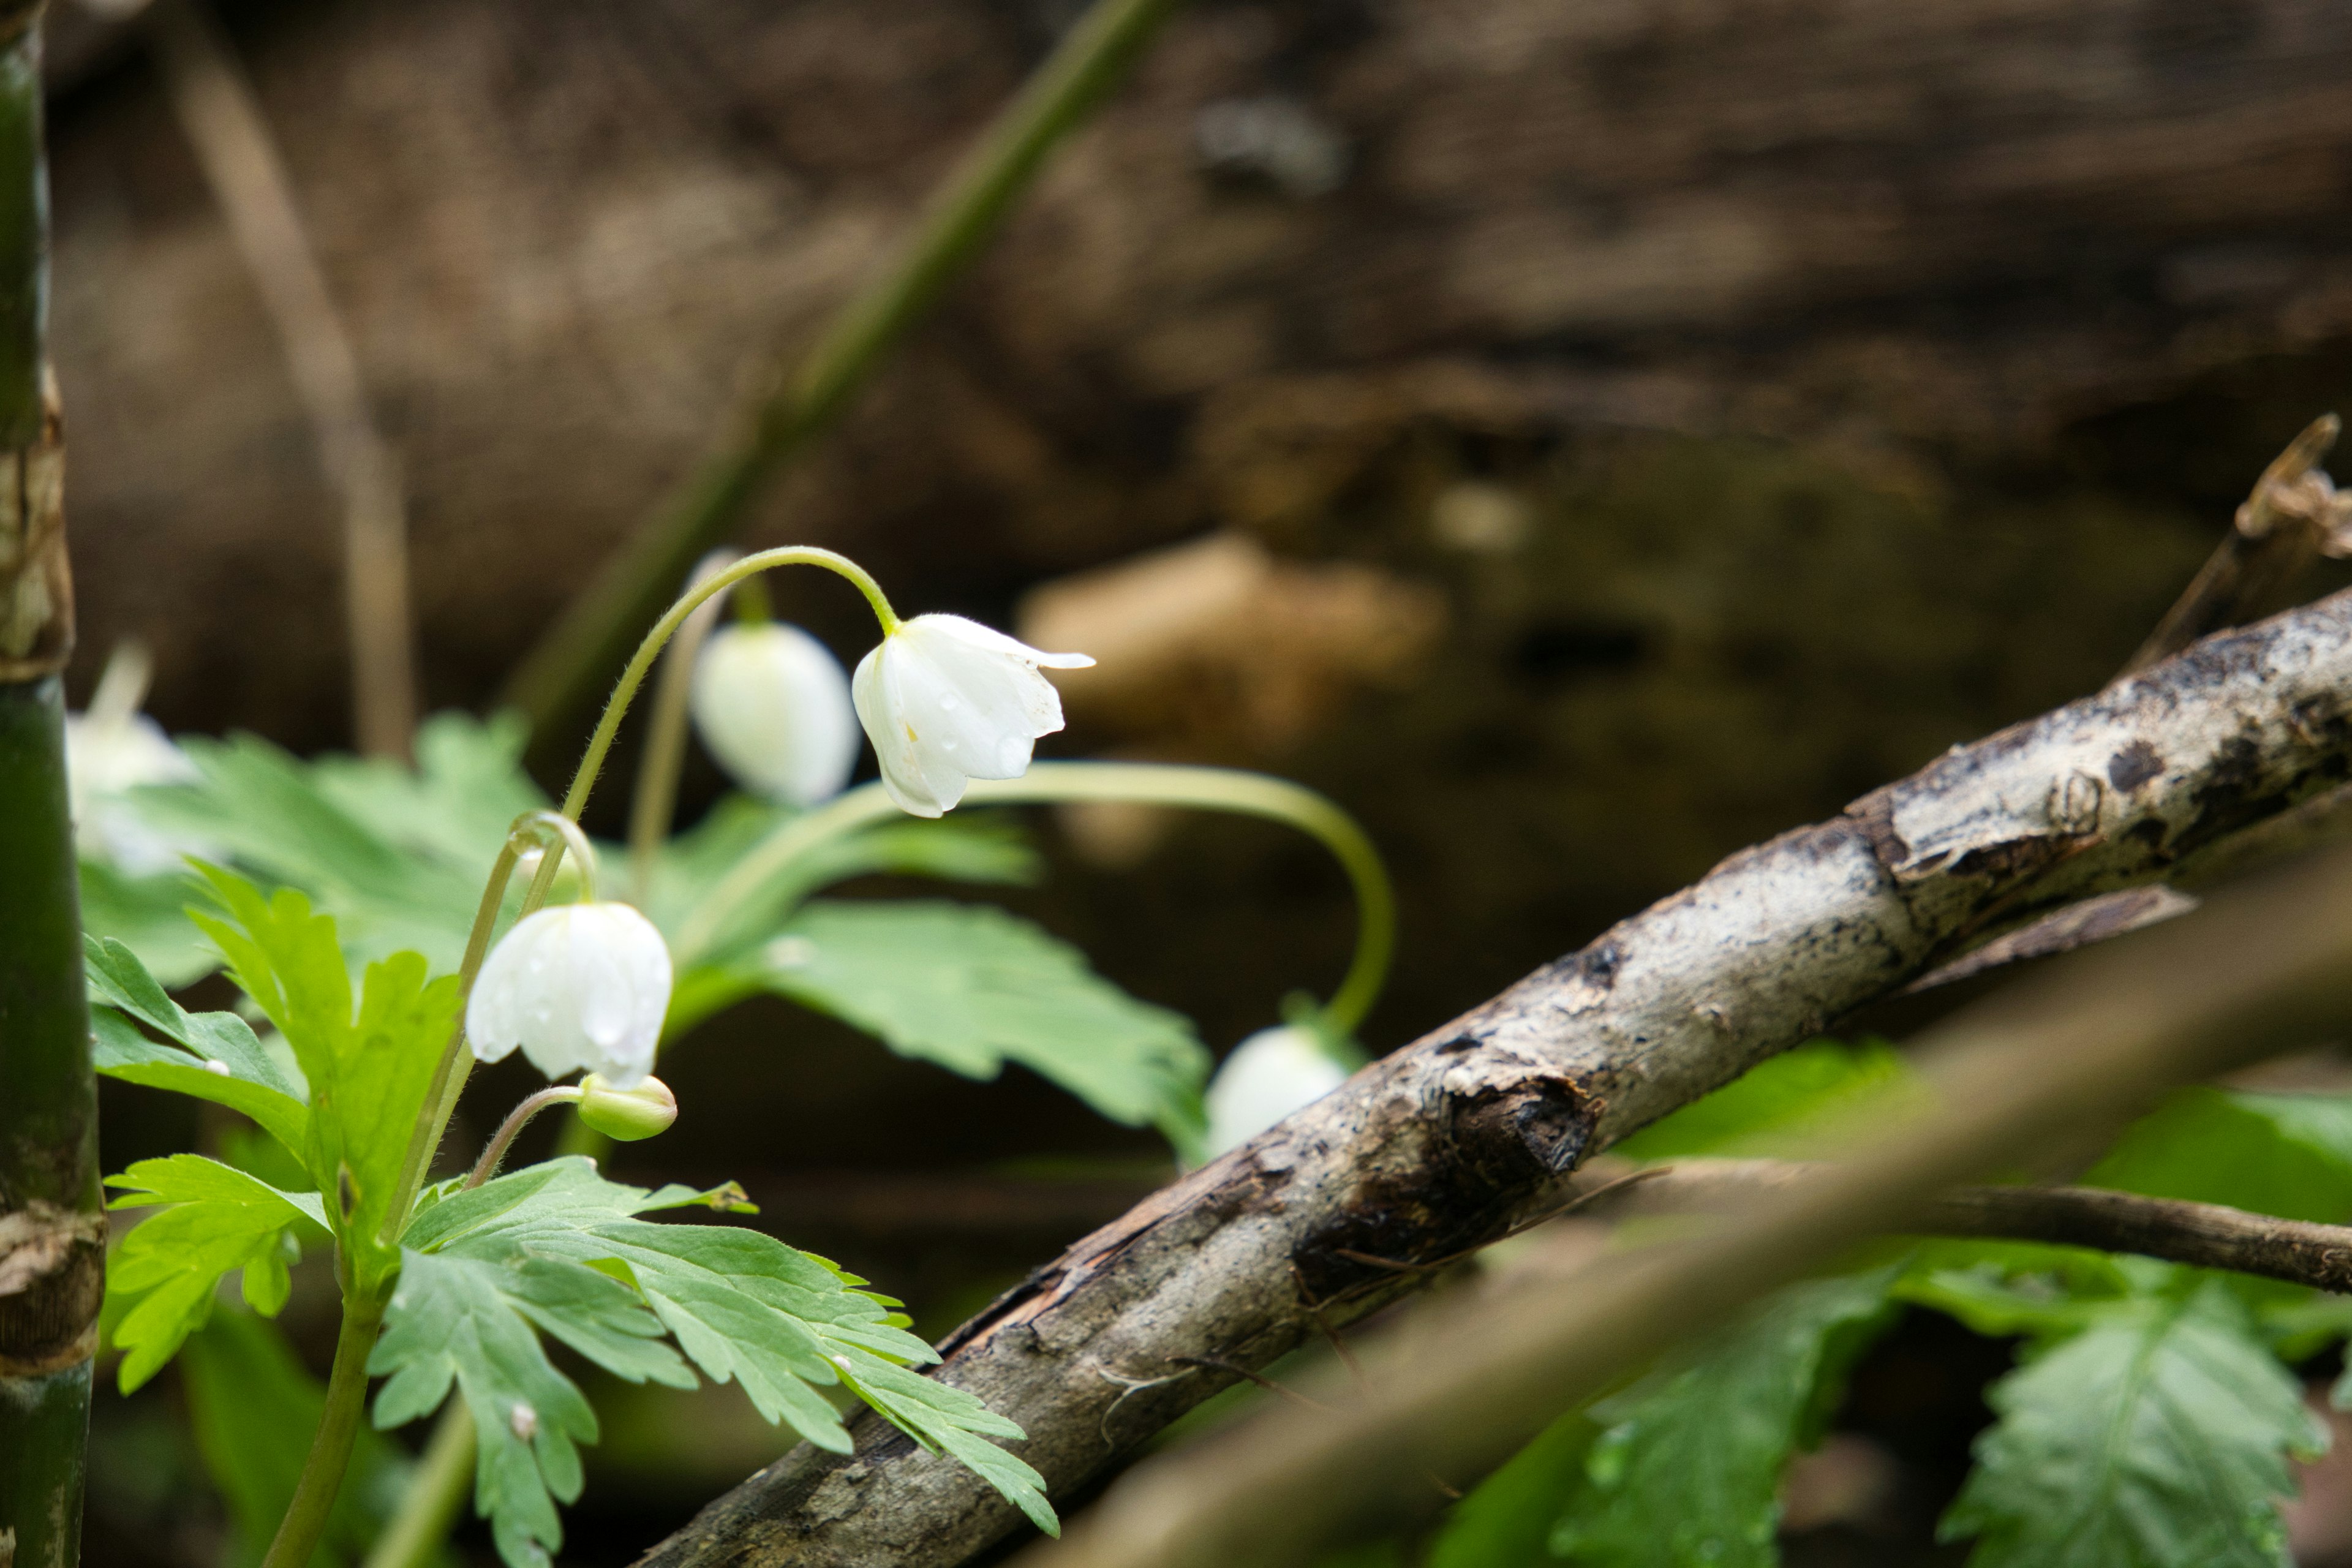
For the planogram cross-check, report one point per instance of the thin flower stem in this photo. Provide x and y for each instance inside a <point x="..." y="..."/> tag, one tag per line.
<point x="516" y="1119"/>
<point x="330" y="1450"/>
<point x="457" y="1062"/>
<point x="1154" y="783"/>
<point x="437" y="1488"/>
<point x="624" y="690"/>
<point x="654" y="799"/>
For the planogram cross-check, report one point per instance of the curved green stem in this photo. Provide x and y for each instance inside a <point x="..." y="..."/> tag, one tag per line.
<point x="436" y="1490"/>
<point x="552" y="833"/>
<point x="654" y="802"/>
<point x="330" y="1450"/>
<point x="1153" y="783"/>
<point x="516" y="1119"/>
<point x="625" y="690"/>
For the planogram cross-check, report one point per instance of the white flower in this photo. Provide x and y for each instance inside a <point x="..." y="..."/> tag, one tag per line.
<point x="578" y="985"/>
<point x="947" y="700"/>
<point x="773" y="704"/>
<point x="1267" y="1076"/>
<point x="110" y="751"/>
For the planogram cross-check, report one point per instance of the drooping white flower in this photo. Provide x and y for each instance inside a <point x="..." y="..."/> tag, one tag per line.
<point x="1268" y="1075"/>
<point x="773" y="704"/>
<point x="946" y="700"/>
<point x="112" y="750"/>
<point x="578" y="985"/>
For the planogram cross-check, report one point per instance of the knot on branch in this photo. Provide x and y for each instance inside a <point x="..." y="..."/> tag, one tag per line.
<point x="1488" y="1146"/>
<point x="52" y="1280"/>
<point x="37" y="619"/>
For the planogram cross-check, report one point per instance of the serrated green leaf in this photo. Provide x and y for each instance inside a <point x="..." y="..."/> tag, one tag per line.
<point x="147" y="914"/>
<point x="254" y="1408"/>
<point x="161" y="1276"/>
<point x="468" y="1322"/>
<point x="2156" y="1435"/>
<point x="1687" y="1465"/>
<point x="1778" y="1107"/>
<point x="2284" y="1154"/>
<point x="971" y="987"/>
<point x="455" y="808"/>
<point x="558" y="1247"/>
<point x="368" y="1075"/>
<point x="979" y="847"/>
<point x="213" y="1056"/>
<point x="276" y="817"/>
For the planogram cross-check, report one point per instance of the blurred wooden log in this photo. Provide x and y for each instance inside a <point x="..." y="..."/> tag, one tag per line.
<point x="565" y="232"/>
<point x="1450" y="1141"/>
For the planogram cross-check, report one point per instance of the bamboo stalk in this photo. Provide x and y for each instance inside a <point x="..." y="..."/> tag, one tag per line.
<point x="52" y="1237"/>
<point x="572" y="660"/>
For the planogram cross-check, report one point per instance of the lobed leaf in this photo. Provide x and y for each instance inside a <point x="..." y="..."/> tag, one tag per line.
<point x="160" y="1277"/>
<point x="2156" y="1435"/>
<point x="971" y="987"/>
<point x="1687" y="1465"/>
<point x="212" y="1056"/>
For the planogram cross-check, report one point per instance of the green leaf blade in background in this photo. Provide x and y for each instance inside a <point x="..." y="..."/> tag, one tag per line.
<point x="2157" y="1437"/>
<point x="1687" y="1467"/>
<point x="971" y="987"/>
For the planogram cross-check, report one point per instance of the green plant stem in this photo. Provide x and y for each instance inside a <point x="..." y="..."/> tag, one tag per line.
<point x="556" y="679"/>
<point x="516" y="1119"/>
<point x="649" y="647"/>
<point x="654" y="802"/>
<point x="1153" y="784"/>
<point x="330" y="1450"/>
<point x="436" y="1491"/>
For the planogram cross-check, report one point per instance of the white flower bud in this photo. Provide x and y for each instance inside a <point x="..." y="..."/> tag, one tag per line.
<point x="1267" y="1076"/>
<point x="578" y="985"/>
<point x="772" y="705"/>
<point x="947" y="700"/>
<point x="107" y="754"/>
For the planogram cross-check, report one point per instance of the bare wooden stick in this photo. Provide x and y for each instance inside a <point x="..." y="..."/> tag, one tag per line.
<point x="224" y="125"/>
<point x="2276" y="533"/>
<point x="2084" y="1047"/>
<point x="2204" y="1236"/>
<point x="1450" y="1141"/>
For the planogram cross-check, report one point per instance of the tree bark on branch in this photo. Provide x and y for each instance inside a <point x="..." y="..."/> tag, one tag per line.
<point x="1452" y="1141"/>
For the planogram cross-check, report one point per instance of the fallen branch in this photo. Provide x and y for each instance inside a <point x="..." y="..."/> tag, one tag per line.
<point x="2078" y="1051"/>
<point x="1450" y="1141"/>
<point x="2203" y="1236"/>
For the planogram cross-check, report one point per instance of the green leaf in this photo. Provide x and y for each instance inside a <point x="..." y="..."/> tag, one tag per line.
<point x="148" y="915"/>
<point x="254" y="1407"/>
<point x="979" y="847"/>
<point x="2284" y="1154"/>
<point x="2156" y="1435"/>
<point x="213" y="1056"/>
<point x="368" y="1077"/>
<point x="1508" y="1518"/>
<point x="161" y="1276"/>
<point x="456" y="807"/>
<point x="559" y="1248"/>
<point x="1687" y="1467"/>
<point x="971" y="987"/>
<point x="1777" y="1107"/>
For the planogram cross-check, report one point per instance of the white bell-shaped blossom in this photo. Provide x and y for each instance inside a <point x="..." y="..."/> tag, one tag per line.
<point x="578" y="985"/>
<point x="112" y="750"/>
<point x="772" y="705"/>
<point x="1267" y="1076"/>
<point x="947" y="700"/>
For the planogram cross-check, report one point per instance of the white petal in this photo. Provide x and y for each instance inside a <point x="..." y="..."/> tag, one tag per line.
<point x="583" y="985"/>
<point x="1268" y="1075"/>
<point x="772" y="705"/>
<point x="896" y="746"/>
